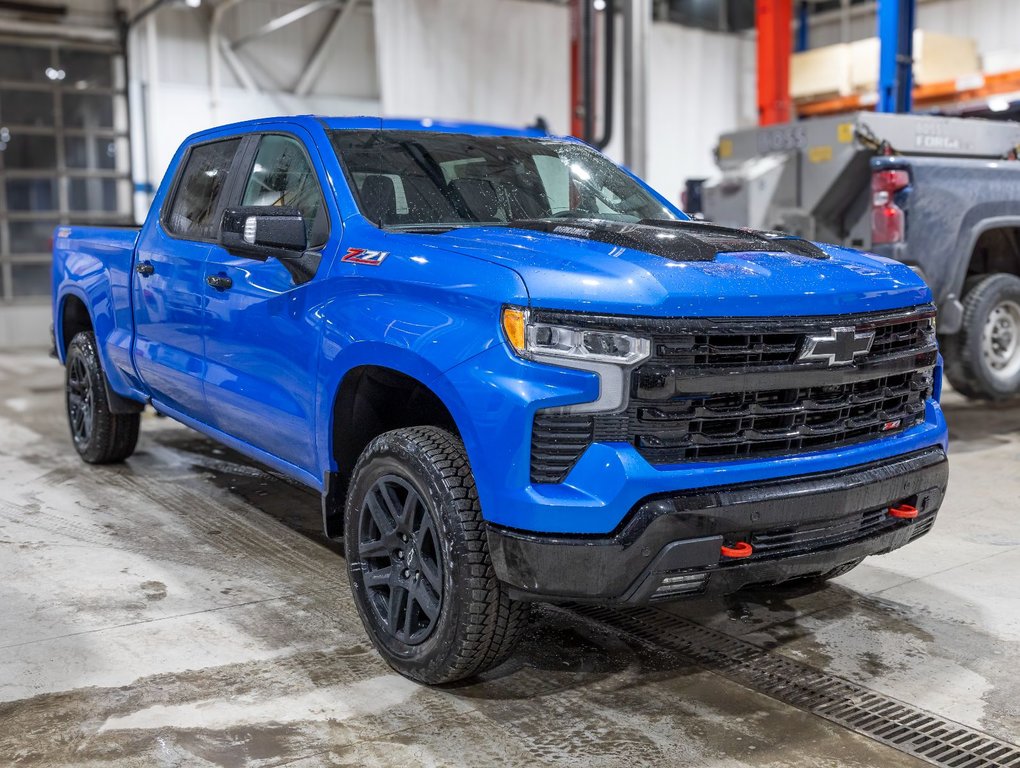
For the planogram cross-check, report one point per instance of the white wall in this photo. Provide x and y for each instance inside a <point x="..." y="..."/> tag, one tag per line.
<point x="499" y="61"/>
<point x="172" y="88"/>
<point x="702" y="84"/>
<point x="506" y="61"/>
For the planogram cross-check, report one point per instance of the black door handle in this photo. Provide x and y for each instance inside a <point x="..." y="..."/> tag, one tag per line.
<point x="145" y="268"/>
<point x="219" y="282"/>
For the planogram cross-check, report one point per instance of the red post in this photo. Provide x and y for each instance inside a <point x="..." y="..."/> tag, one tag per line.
<point x="775" y="41"/>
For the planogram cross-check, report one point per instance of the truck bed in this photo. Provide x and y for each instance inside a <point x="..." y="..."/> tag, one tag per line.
<point x="94" y="265"/>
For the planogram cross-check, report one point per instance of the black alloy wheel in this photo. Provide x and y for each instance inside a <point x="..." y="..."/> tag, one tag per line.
<point x="417" y="554"/>
<point x="80" y="402"/>
<point x="99" y="435"/>
<point x="401" y="560"/>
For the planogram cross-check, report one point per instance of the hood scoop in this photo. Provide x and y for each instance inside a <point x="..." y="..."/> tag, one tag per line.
<point x="675" y="240"/>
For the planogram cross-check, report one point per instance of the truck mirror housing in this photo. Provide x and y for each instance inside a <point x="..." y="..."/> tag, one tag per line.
<point x="262" y="231"/>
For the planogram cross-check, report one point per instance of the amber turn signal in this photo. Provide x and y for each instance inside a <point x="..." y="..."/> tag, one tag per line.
<point x="514" y="319"/>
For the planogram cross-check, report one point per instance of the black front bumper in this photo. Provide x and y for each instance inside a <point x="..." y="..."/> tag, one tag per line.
<point x="669" y="547"/>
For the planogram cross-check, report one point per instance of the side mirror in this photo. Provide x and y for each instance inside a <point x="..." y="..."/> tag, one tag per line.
<point x="261" y="231"/>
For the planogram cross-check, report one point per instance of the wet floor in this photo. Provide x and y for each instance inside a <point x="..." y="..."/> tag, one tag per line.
<point x="183" y="610"/>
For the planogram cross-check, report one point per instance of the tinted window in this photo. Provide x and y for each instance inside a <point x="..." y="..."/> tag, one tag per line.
<point x="193" y="213"/>
<point x="282" y="176"/>
<point x="419" y="178"/>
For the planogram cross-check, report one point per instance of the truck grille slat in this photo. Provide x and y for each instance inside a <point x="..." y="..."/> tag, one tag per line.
<point x="744" y="417"/>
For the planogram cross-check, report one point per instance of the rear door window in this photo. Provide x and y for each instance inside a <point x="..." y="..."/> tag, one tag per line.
<point x="192" y="213"/>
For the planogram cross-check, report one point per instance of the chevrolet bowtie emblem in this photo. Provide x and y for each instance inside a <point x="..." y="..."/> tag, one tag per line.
<point x="841" y="347"/>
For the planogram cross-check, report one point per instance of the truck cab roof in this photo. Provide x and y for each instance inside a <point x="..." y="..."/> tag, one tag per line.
<point x="313" y="122"/>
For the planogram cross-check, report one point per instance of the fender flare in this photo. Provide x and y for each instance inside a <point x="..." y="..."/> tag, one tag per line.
<point x="116" y="403"/>
<point x="378" y="355"/>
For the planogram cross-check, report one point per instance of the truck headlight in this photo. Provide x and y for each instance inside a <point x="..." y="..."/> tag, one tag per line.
<point x="610" y="354"/>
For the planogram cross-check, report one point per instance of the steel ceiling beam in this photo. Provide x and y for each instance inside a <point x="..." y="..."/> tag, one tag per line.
<point x="284" y="21"/>
<point x="317" y="58"/>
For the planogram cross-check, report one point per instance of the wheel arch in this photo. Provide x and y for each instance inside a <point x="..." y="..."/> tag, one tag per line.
<point x="73" y="317"/>
<point x="378" y="393"/>
<point x="982" y="232"/>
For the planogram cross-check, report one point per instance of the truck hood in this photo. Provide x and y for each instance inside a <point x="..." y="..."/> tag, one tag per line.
<point x="687" y="269"/>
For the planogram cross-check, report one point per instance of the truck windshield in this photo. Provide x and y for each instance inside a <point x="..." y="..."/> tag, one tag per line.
<point x="416" y="180"/>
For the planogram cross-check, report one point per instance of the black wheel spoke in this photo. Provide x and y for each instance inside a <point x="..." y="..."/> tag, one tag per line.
<point x="432" y="575"/>
<point x="409" y="616"/>
<point x="382" y="522"/>
<point x="393" y="506"/>
<point x="80" y="405"/>
<point x="411" y="503"/>
<point x="396" y="609"/>
<point x="380" y="577"/>
<point x="376" y="548"/>
<point x="427" y="601"/>
<point x="400" y="559"/>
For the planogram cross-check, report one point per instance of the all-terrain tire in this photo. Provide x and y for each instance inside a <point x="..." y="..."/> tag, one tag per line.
<point x="99" y="436"/>
<point x="415" y="538"/>
<point x="977" y="364"/>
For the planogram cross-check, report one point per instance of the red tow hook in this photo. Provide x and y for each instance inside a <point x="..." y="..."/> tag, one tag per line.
<point x="737" y="551"/>
<point x="903" y="511"/>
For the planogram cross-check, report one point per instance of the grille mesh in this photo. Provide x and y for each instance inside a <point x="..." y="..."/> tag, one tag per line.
<point x="772" y="422"/>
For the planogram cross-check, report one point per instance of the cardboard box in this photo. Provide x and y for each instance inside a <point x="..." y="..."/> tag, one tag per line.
<point x="937" y="58"/>
<point x="839" y="70"/>
<point x="820" y="72"/>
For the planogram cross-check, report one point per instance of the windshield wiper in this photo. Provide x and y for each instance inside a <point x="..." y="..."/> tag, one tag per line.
<point x="423" y="229"/>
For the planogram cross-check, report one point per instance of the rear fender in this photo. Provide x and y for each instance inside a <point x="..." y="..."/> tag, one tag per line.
<point x="116" y="402"/>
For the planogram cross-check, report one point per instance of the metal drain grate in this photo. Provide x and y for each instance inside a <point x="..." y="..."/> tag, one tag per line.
<point x="901" y="726"/>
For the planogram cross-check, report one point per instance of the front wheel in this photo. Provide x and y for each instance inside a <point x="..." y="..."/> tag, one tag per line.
<point x="99" y="436"/>
<point x="419" y="562"/>
<point x="983" y="359"/>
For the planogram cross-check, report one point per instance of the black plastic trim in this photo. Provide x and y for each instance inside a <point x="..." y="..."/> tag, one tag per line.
<point x="682" y="531"/>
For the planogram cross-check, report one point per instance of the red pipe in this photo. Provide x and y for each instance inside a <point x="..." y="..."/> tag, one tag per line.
<point x="775" y="41"/>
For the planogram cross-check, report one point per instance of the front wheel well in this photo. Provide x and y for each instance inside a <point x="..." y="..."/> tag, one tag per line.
<point x="373" y="400"/>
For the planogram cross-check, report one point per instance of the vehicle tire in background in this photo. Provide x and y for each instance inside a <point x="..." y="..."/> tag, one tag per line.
<point x="419" y="561"/>
<point x="99" y="436"/>
<point x="983" y="359"/>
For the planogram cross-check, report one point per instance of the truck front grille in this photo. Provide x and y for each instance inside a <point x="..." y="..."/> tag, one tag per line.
<point x="776" y="422"/>
<point x="736" y="390"/>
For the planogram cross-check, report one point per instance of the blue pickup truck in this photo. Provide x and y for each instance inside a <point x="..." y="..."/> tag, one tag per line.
<point x="513" y="371"/>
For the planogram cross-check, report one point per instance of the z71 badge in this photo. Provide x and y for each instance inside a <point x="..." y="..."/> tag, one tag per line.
<point x="364" y="256"/>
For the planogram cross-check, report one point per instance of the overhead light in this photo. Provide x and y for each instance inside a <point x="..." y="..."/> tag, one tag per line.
<point x="193" y="3"/>
<point x="599" y="5"/>
<point x="55" y="74"/>
<point x="999" y="104"/>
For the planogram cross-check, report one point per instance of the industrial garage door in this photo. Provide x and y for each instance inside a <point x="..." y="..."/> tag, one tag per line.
<point x="64" y="159"/>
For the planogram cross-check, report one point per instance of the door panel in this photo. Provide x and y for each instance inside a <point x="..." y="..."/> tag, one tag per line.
<point x="169" y="322"/>
<point x="169" y="287"/>
<point x="262" y="358"/>
<point x="261" y="351"/>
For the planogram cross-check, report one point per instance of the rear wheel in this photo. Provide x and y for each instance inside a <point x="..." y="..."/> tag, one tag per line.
<point x="100" y="437"/>
<point x="419" y="563"/>
<point x="983" y="359"/>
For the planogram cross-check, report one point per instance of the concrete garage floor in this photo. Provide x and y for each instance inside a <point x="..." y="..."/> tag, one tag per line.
<point x="183" y="609"/>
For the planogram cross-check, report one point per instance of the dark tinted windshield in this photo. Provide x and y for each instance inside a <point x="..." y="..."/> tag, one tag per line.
<point x="417" y="179"/>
